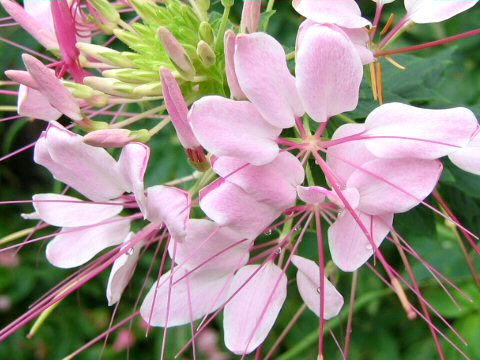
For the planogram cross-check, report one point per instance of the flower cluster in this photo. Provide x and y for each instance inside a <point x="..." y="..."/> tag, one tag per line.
<point x="255" y="134"/>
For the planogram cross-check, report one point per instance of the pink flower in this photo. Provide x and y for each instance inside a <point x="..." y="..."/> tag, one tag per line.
<point x="87" y="228"/>
<point x="36" y="18"/>
<point x="47" y="93"/>
<point x="327" y="84"/>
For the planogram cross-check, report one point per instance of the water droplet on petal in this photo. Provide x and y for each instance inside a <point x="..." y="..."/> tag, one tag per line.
<point x="369" y="247"/>
<point x="130" y="251"/>
<point x="319" y="290"/>
<point x="268" y="232"/>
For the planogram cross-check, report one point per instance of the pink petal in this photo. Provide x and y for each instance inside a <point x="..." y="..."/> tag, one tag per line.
<point x="178" y="110"/>
<point x="33" y="104"/>
<point x="436" y="132"/>
<point x="274" y="183"/>
<point x="234" y="128"/>
<point x="349" y="246"/>
<point x="229" y="44"/>
<point x="432" y="11"/>
<point x="360" y="40"/>
<point x="68" y="211"/>
<point x="263" y="75"/>
<point x="207" y="242"/>
<point x="251" y="313"/>
<point x="171" y="206"/>
<point x="416" y="177"/>
<point x="132" y="166"/>
<point x="89" y="170"/>
<point x="32" y="22"/>
<point x="228" y="205"/>
<point x="353" y="151"/>
<point x="22" y="77"/>
<point x="251" y="14"/>
<point x="312" y="194"/>
<point x="308" y="283"/>
<point x="191" y="298"/>
<point x="329" y="72"/>
<point x="75" y="246"/>
<point x="344" y="13"/>
<point x="42" y="12"/>
<point x="122" y="272"/>
<point x="52" y="88"/>
<point x="468" y="158"/>
<point x="351" y="196"/>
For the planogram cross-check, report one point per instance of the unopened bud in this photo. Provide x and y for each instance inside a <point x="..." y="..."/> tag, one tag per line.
<point x="178" y="110"/>
<point x="105" y="55"/>
<point x="251" y="14"/>
<point x="206" y="54"/>
<point x="99" y="100"/>
<point x="204" y="4"/>
<point x="110" y="86"/>
<point x="233" y="84"/>
<point x="107" y="10"/>
<point x="206" y="32"/>
<point x="227" y="3"/>
<point x="198" y="159"/>
<point x="127" y="37"/>
<point x="176" y="53"/>
<point x="106" y="28"/>
<point x="147" y="9"/>
<point x="150" y="89"/>
<point x="133" y="76"/>
<point x="108" y="138"/>
<point x="80" y="91"/>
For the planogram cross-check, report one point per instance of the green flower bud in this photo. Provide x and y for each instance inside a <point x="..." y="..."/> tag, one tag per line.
<point x="206" y="33"/>
<point x="133" y="76"/>
<point x="142" y="135"/>
<point x="111" y="86"/>
<point x="206" y="54"/>
<point x="79" y="91"/>
<point x="107" y="10"/>
<point x="151" y="89"/>
<point x="105" y="55"/>
<point x="227" y="3"/>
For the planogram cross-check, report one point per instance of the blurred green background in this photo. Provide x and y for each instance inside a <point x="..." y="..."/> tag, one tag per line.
<point x="446" y="76"/>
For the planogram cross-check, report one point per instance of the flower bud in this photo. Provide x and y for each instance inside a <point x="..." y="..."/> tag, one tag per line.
<point x="147" y="9"/>
<point x="206" y="54"/>
<point x="176" y="53"/>
<point x="227" y="3"/>
<point x="206" y="33"/>
<point x="111" y="86"/>
<point x="204" y="4"/>
<point x="127" y="37"/>
<point x="133" y="76"/>
<point x="108" y="138"/>
<point x="80" y="91"/>
<point x="251" y="14"/>
<point x="229" y="46"/>
<point x="105" y="55"/>
<point x="106" y="10"/>
<point x="150" y="89"/>
<point x="178" y="110"/>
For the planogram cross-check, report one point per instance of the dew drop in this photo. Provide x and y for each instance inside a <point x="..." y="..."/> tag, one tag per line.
<point x="319" y="290"/>
<point x="295" y="229"/>
<point x="369" y="247"/>
<point x="268" y="232"/>
<point x="130" y="251"/>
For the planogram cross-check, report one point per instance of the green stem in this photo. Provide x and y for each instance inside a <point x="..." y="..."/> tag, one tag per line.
<point x="222" y="28"/>
<point x="312" y="338"/>
<point x="345" y="118"/>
